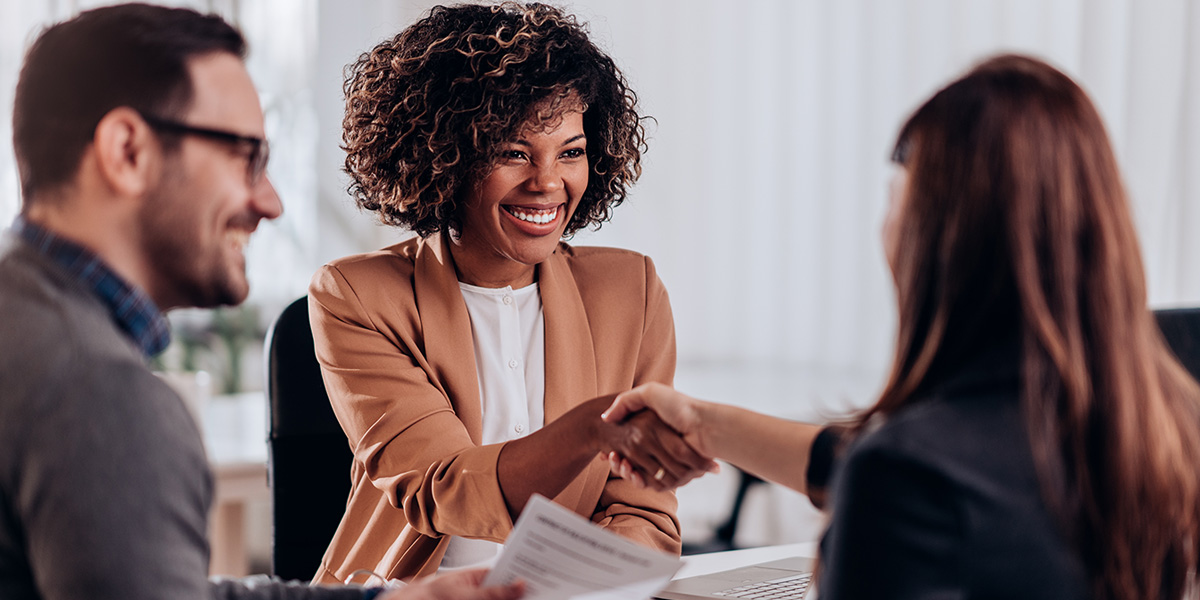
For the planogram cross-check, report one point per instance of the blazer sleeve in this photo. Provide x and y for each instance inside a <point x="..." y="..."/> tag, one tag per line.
<point x="400" y="424"/>
<point x="647" y="516"/>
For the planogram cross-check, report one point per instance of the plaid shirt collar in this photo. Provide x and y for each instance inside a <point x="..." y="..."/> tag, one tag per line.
<point x="130" y="307"/>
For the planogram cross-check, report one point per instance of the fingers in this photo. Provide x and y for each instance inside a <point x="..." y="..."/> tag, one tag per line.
<point x="680" y="448"/>
<point x="681" y="412"/>
<point x="656" y="454"/>
<point x="647" y="449"/>
<point x="469" y="576"/>
<point x="625" y="404"/>
<point x="511" y="591"/>
<point x="629" y="473"/>
<point x="475" y="577"/>
<point x="624" y="469"/>
<point x="648" y="395"/>
<point x="463" y="585"/>
<point x="681" y="461"/>
<point x="620" y="466"/>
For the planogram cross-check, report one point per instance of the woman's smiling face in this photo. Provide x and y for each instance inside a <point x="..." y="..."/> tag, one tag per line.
<point x="513" y="219"/>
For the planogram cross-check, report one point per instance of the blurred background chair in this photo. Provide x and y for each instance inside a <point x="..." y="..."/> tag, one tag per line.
<point x="1181" y="328"/>
<point x="309" y="459"/>
<point x="723" y="536"/>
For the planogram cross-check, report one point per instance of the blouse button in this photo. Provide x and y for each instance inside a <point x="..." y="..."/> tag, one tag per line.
<point x="508" y="300"/>
<point x="512" y="364"/>
<point x="519" y="428"/>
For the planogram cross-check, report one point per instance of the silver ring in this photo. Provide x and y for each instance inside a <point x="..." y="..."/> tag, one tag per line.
<point x="659" y="475"/>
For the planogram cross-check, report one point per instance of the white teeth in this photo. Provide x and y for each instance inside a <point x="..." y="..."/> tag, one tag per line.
<point x="540" y="217"/>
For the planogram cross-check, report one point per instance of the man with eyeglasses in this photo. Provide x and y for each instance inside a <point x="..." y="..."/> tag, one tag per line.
<point x="139" y="140"/>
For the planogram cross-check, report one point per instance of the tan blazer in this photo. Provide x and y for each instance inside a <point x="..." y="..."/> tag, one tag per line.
<point x="394" y="340"/>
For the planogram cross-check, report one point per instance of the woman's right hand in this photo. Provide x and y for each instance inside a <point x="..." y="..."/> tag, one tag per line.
<point x="654" y="448"/>
<point x="463" y="585"/>
<point x="678" y="411"/>
<point x="774" y="449"/>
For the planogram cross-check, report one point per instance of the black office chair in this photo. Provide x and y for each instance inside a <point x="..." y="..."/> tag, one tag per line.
<point x="1181" y="328"/>
<point x="723" y="536"/>
<point x="309" y="463"/>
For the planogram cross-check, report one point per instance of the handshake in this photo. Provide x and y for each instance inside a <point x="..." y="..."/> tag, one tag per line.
<point x="670" y="438"/>
<point x="660" y="438"/>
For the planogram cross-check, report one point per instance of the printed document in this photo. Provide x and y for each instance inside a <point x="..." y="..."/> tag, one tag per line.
<point x="561" y="555"/>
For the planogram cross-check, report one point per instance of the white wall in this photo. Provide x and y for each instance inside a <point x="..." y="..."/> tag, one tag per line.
<point x="764" y="184"/>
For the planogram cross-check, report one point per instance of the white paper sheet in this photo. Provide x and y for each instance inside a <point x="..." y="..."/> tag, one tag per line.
<point x="561" y="555"/>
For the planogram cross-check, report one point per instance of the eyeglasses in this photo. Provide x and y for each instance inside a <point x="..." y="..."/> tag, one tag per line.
<point x="259" y="149"/>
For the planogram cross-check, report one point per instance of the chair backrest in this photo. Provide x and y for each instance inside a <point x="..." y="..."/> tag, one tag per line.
<point x="309" y="464"/>
<point x="1181" y="328"/>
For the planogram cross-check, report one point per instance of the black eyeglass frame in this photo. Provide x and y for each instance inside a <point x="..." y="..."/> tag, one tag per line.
<point x="260" y="149"/>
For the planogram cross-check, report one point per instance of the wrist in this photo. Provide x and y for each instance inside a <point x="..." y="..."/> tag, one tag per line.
<point x="707" y="437"/>
<point x="586" y="425"/>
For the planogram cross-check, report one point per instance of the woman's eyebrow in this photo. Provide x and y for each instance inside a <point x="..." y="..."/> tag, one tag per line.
<point x="573" y="139"/>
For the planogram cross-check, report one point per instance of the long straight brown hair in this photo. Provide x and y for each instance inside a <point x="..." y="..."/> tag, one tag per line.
<point x="1015" y="226"/>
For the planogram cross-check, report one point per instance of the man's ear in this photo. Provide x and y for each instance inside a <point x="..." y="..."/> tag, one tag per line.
<point x="128" y="154"/>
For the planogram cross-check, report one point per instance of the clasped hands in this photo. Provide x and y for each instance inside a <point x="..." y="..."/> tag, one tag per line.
<point x="661" y="443"/>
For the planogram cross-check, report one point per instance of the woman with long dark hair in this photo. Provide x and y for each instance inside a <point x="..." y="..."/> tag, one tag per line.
<point x="1036" y="438"/>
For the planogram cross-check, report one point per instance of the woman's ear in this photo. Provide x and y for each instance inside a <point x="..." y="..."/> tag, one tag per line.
<point x="127" y="152"/>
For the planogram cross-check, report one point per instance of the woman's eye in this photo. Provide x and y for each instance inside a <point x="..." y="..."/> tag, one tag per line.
<point x="575" y="153"/>
<point x="512" y="155"/>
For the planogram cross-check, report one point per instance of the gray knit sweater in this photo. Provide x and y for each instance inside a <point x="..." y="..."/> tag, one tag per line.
<point x="104" y="485"/>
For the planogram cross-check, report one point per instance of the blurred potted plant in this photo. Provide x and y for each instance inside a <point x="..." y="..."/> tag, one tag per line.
<point x="216" y="341"/>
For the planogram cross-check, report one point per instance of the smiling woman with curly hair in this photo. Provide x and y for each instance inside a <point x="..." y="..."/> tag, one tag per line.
<point x="469" y="365"/>
<point x="427" y="111"/>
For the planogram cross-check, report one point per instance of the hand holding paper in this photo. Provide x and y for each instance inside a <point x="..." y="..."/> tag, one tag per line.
<point x="560" y="555"/>
<point x="463" y="585"/>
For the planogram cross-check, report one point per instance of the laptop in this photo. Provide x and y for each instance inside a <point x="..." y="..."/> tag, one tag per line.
<point x="784" y="579"/>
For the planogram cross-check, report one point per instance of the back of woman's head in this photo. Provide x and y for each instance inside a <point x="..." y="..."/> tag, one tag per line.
<point x="427" y="111"/>
<point x="1015" y="228"/>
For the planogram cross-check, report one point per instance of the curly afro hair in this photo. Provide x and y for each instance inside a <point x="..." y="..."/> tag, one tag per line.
<point x="427" y="111"/>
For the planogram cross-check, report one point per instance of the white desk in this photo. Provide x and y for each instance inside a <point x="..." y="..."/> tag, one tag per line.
<point x="702" y="564"/>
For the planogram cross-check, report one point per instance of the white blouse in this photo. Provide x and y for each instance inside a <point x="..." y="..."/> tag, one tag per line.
<point x="508" y="331"/>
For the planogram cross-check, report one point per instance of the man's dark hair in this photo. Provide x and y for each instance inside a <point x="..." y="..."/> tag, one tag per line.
<point x="132" y="55"/>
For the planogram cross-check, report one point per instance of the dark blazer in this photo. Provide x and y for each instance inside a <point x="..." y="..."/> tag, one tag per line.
<point x="942" y="501"/>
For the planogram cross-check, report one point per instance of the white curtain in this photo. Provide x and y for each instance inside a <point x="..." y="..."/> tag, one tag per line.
<point x="765" y="183"/>
<point x="764" y="186"/>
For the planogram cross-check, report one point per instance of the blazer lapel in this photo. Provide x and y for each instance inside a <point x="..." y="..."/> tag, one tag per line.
<point x="446" y="328"/>
<point x="570" y="355"/>
<point x="570" y="368"/>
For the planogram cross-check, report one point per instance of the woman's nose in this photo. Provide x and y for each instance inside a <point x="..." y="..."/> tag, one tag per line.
<point x="545" y="179"/>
